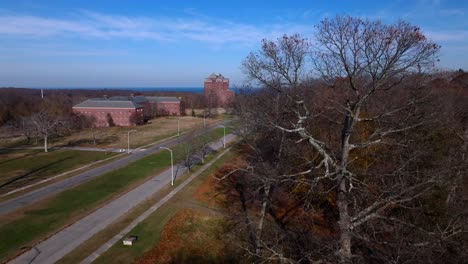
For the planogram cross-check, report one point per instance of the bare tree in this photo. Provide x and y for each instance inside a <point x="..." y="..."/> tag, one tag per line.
<point x="110" y="120"/>
<point x="371" y="57"/>
<point x="28" y="129"/>
<point x="47" y="125"/>
<point x="359" y="131"/>
<point x="189" y="150"/>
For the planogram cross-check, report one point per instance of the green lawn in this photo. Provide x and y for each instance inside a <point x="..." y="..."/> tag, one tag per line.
<point x="62" y="208"/>
<point x="22" y="167"/>
<point x="149" y="231"/>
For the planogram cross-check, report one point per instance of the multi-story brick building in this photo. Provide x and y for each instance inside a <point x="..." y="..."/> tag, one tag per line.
<point x="217" y="91"/>
<point x="127" y="110"/>
<point x="111" y="112"/>
<point x="162" y="105"/>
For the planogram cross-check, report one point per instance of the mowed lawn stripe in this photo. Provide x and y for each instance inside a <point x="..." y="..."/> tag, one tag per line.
<point x="57" y="212"/>
<point x="19" y="168"/>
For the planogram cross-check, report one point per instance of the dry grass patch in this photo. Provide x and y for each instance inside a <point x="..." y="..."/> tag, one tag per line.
<point x="116" y="137"/>
<point x="186" y="239"/>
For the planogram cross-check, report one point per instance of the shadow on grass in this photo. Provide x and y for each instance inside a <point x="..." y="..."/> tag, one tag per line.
<point x="7" y="151"/>
<point x="90" y="141"/>
<point x="26" y="175"/>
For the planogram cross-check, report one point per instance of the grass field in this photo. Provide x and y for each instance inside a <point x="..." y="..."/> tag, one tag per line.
<point x="116" y="137"/>
<point x="41" y="219"/>
<point x="22" y="167"/>
<point x="150" y="231"/>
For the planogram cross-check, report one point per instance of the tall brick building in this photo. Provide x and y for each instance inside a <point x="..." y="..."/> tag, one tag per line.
<point x="217" y="91"/>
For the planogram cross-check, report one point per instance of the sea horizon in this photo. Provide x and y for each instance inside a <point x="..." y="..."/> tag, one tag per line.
<point x="199" y="90"/>
<point x="135" y="89"/>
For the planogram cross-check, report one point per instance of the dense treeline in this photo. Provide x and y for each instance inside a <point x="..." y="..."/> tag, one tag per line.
<point x="366" y="163"/>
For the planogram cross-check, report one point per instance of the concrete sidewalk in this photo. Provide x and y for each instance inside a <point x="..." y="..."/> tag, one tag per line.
<point x="63" y="242"/>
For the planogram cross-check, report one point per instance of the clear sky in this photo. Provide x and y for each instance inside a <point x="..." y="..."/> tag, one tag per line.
<point x="90" y="43"/>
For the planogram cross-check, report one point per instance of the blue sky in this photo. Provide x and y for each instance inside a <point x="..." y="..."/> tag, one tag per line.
<point x="178" y="43"/>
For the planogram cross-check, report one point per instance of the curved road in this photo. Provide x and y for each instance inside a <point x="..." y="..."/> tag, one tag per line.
<point x="43" y="192"/>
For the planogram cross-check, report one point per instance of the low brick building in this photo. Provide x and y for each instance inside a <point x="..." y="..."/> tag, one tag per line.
<point x="216" y="89"/>
<point x="127" y="110"/>
<point x="111" y="112"/>
<point x="163" y="105"/>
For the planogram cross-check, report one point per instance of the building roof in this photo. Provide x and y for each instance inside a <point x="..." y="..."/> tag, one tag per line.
<point x="137" y="99"/>
<point x="125" y="101"/>
<point x="163" y="99"/>
<point x="103" y="103"/>
<point x="215" y="76"/>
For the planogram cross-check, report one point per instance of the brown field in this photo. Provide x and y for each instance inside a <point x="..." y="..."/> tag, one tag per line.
<point x="110" y="137"/>
<point x="186" y="238"/>
<point x="197" y="232"/>
<point x="116" y="137"/>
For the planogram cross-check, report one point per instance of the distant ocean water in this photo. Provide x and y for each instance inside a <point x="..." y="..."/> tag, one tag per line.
<point x="135" y="89"/>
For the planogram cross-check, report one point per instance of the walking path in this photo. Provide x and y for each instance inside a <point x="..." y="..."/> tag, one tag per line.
<point x="43" y="192"/>
<point x="63" y="242"/>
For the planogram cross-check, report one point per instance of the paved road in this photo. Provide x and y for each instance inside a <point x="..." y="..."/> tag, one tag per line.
<point x="63" y="242"/>
<point x="41" y="193"/>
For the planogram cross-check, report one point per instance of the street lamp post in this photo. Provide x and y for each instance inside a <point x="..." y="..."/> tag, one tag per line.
<point x="204" y="119"/>
<point x="128" y="140"/>
<point x="178" y="126"/>
<point x="224" y="135"/>
<point x="172" y="164"/>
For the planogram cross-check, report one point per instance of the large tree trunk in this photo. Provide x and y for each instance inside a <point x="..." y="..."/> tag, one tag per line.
<point x="261" y="220"/>
<point x="45" y="143"/>
<point x="344" y="223"/>
<point x="342" y="201"/>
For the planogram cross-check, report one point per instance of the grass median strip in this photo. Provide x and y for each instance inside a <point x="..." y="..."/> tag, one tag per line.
<point x="20" y="168"/>
<point x="149" y="231"/>
<point x="38" y="221"/>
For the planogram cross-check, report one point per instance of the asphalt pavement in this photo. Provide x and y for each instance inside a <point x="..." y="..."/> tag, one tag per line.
<point x="53" y="188"/>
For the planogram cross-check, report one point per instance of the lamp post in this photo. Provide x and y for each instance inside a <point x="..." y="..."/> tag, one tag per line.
<point x="204" y="119"/>
<point x="172" y="164"/>
<point x="128" y="140"/>
<point x="224" y="135"/>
